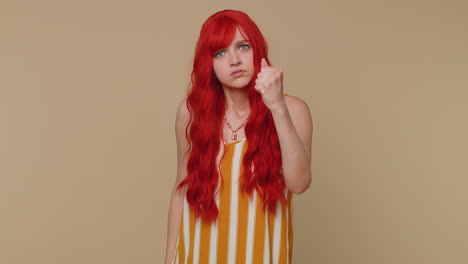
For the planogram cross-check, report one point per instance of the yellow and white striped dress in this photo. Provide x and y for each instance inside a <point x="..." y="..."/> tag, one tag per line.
<point x="243" y="232"/>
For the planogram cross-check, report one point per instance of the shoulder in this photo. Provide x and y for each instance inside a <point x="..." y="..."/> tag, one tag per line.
<point x="183" y="114"/>
<point x="182" y="118"/>
<point x="296" y="106"/>
<point x="183" y="146"/>
<point x="300" y="115"/>
<point x="302" y="120"/>
<point x="182" y="110"/>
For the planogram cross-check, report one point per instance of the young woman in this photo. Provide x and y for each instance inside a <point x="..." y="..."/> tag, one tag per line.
<point x="243" y="149"/>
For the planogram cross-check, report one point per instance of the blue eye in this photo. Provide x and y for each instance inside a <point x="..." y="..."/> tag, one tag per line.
<point x="244" y="46"/>
<point x="220" y="53"/>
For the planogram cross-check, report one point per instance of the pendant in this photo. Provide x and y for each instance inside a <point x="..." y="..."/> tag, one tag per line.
<point x="234" y="136"/>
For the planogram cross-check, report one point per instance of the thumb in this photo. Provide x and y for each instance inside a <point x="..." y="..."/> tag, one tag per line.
<point x="264" y="63"/>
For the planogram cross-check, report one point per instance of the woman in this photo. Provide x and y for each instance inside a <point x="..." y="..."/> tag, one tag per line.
<point x="236" y="116"/>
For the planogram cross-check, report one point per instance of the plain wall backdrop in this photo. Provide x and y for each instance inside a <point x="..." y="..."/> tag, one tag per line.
<point x="88" y="99"/>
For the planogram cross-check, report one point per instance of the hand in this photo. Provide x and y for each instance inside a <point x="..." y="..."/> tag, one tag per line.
<point x="269" y="84"/>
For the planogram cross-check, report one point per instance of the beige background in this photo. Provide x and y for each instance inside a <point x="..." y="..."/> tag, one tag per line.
<point x="88" y="96"/>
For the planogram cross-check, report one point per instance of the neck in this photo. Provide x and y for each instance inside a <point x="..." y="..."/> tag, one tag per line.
<point x="237" y="100"/>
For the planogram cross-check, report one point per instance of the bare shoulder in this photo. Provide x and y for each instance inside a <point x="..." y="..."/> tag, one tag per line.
<point x="182" y="118"/>
<point x="182" y="110"/>
<point x="301" y="119"/>
<point x="297" y="106"/>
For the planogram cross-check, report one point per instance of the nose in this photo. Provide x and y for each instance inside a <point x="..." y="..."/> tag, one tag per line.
<point x="235" y="59"/>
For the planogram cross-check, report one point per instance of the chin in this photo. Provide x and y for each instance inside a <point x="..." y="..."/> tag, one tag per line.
<point x="237" y="85"/>
<point x="240" y="86"/>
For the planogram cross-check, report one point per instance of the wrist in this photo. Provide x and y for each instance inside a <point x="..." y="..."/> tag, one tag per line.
<point x="279" y="108"/>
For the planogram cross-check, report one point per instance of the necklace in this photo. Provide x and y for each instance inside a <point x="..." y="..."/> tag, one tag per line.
<point x="234" y="132"/>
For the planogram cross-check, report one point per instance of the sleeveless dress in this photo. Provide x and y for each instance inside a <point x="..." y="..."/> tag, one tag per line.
<point x="243" y="231"/>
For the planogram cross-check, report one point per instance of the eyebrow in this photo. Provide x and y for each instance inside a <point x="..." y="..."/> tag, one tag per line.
<point x="241" y="41"/>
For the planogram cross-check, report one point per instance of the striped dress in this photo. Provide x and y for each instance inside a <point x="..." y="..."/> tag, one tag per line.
<point x="243" y="231"/>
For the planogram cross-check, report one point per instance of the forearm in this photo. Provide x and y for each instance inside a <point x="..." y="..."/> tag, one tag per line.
<point x="173" y="224"/>
<point x="296" y="163"/>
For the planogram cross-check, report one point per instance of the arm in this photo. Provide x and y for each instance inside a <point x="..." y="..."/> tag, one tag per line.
<point x="293" y="124"/>
<point x="177" y="198"/>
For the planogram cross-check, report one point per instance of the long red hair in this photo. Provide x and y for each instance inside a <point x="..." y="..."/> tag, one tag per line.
<point x="207" y="104"/>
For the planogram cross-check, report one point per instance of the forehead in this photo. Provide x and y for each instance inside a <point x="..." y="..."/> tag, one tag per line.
<point x="239" y="35"/>
<point x="225" y="36"/>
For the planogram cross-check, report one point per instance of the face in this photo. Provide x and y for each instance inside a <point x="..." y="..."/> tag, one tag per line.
<point x="233" y="65"/>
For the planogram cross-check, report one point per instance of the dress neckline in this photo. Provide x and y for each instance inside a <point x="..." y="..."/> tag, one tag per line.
<point x="234" y="142"/>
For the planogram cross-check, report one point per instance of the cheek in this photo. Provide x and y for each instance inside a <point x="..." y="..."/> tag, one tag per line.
<point x="250" y="60"/>
<point x="217" y="70"/>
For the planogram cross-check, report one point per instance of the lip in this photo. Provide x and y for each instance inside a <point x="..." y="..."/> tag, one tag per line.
<point x="237" y="73"/>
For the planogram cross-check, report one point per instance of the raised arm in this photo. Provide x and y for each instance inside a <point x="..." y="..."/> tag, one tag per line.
<point x="293" y="124"/>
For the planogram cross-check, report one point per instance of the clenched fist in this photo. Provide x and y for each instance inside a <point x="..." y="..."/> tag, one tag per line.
<point x="269" y="83"/>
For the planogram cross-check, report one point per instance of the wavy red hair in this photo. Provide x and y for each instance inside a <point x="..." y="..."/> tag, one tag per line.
<point x="207" y="104"/>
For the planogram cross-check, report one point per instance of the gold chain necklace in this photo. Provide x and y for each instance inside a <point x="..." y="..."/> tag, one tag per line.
<point x="234" y="132"/>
